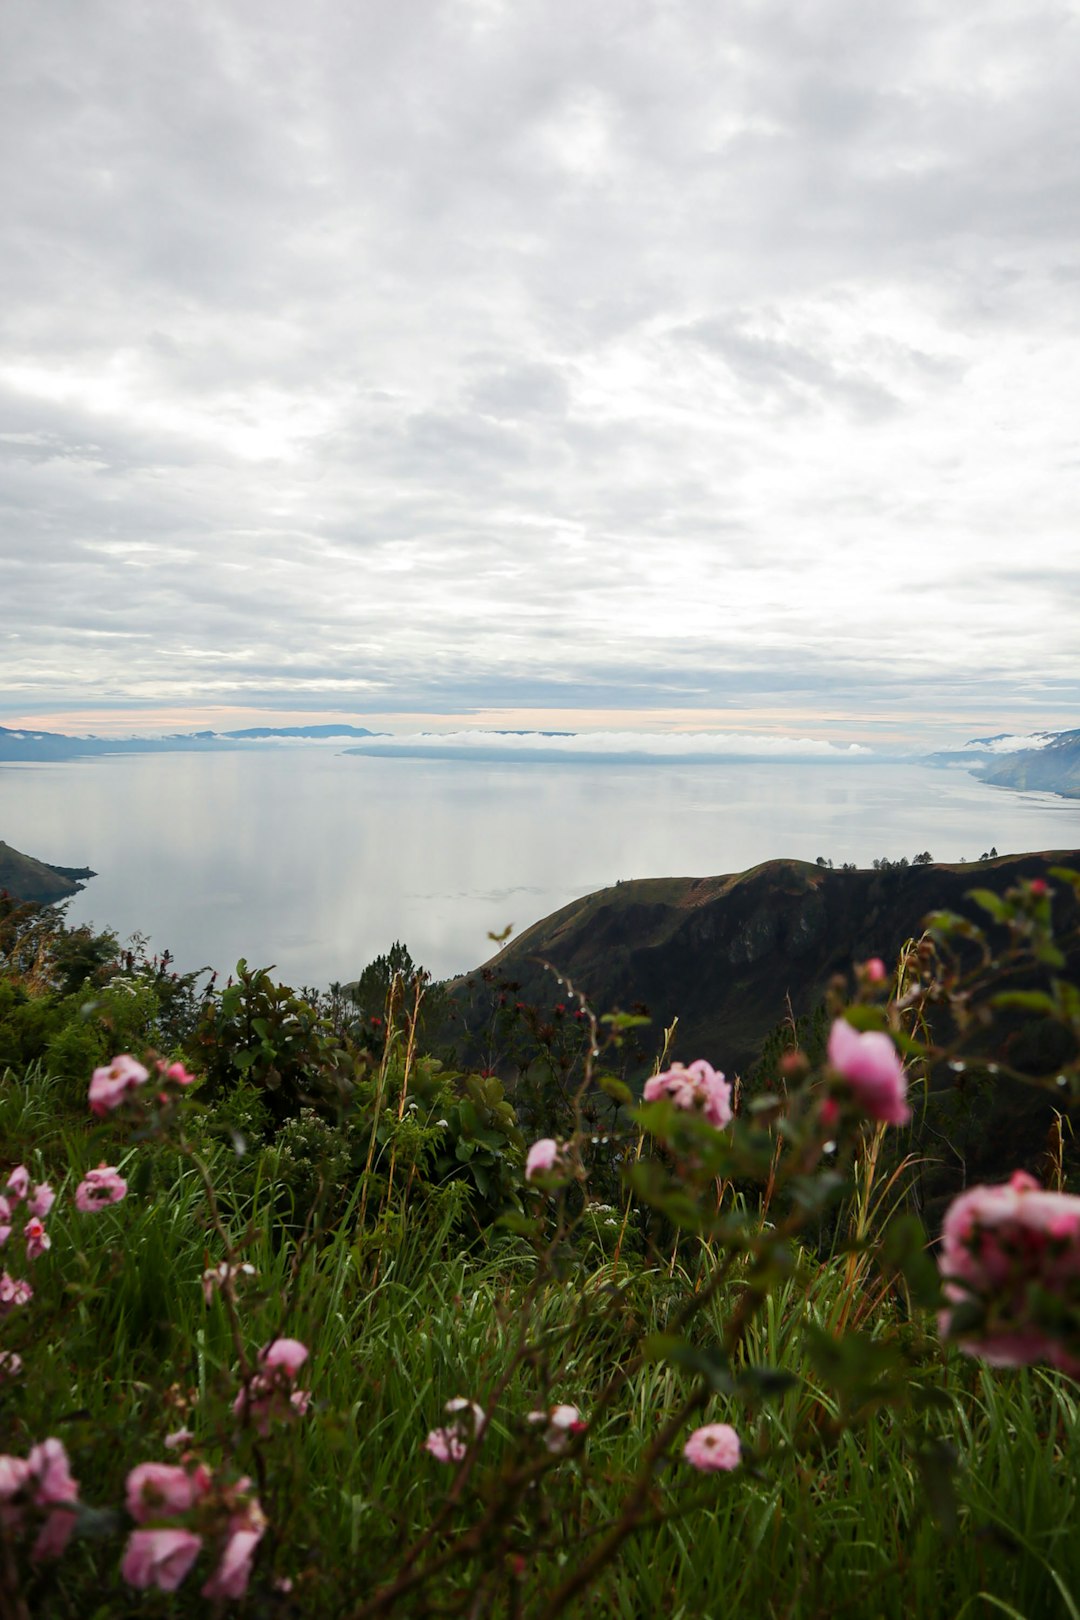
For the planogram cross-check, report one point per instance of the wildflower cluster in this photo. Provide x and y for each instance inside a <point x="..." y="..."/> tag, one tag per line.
<point x="178" y="1510"/>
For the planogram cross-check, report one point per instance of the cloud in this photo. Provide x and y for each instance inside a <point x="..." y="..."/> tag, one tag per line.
<point x="489" y="349"/>
<point x="681" y="748"/>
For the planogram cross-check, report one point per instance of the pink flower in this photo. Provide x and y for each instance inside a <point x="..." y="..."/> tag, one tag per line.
<point x="700" y="1087"/>
<point x="42" y="1201"/>
<point x="874" y="970"/>
<point x="159" y="1558"/>
<point x="18" y="1183"/>
<point x="269" y="1394"/>
<point x="445" y="1445"/>
<point x="99" y="1187"/>
<point x="54" y="1534"/>
<point x="230" y="1578"/>
<point x="5" y="1221"/>
<point x="223" y="1276"/>
<point x="163" y="1490"/>
<point x="562" y="1422"/>
<point x="1013" y="1252"/>
<point x="110" y="1086"/>
<point x="713" y="1449"/>
<point x="176" y="1072"/>
<point x="13" y="1291"/>
<point x="51" y="1471"/>
<point x="871" y="1065"/>
<point x="450" y="1444"/>
<point x="179" y="1437"/>
<point x="37" y="1239"/>
<point x="10" y="1364"/>
<point x="14" y="1473"/>
<point x="543" y="1156"/>
<point x="287" y="1354"/>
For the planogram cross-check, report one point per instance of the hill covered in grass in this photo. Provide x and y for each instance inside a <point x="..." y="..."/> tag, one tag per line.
<point x="25" y="878"/>
<point x="728" y="955"/>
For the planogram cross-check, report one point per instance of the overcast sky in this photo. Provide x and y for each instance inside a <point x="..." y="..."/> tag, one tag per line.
<point x="597" y="362"/>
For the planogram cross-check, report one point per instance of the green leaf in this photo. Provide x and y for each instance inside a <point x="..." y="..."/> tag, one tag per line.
<point x="1027" y="1000"/>
<point x="904" y="1249"/>
<point x="512" y="1221"/>
<point x="766" y="1382"/>
<point x="1001" y="910"/>
<point x="621" y="1020"/>
<point x="864" y="1018"/>
<point x="615" y="1088"/>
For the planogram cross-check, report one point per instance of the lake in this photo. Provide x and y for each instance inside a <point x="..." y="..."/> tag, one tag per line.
<point x="316" y="861"/>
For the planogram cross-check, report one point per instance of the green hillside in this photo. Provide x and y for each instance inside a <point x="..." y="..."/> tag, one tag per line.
<point x="25" y="878"/>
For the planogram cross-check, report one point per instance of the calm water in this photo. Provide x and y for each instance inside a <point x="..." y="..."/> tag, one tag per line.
<point x="318" y="861"/>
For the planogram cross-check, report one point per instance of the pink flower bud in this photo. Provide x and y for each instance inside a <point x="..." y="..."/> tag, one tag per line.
<point x="287" y="1354"/>
<point x="37" y="1239"/>
<point x="18" y="1183"/>
<point x="176" y="1073"/>
<point x="871" y="1065"/>
<point x="542" y="1157"/>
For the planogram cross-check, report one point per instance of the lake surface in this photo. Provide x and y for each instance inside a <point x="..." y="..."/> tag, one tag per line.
<point x="316" y="861"/>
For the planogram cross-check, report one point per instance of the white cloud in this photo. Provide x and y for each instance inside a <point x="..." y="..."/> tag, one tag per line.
<point x="682" y="746"/>
<point x="447" y="354"/>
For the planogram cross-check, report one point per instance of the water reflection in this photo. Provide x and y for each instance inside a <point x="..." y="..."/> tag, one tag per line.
<point x="317" y="861"/>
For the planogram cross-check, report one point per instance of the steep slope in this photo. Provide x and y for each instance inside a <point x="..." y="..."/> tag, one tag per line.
<point x="27" y="879"/>
<point x="728" y="954"/>
<point x="1054" y="768"/>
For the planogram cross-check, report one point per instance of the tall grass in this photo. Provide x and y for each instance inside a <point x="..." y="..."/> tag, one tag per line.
<point x="846" y="1529"/>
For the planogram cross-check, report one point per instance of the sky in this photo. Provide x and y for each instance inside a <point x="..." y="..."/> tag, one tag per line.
<point x="651" y="365"/>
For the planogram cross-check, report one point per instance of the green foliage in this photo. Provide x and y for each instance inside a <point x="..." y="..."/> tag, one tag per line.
<point x="371" y="1203"/>
<point x="480" y="1142"/>
<point x="274" y="1039"/>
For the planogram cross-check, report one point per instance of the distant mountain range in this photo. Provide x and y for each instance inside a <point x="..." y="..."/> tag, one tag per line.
<point x="29" y="746"/>
<point x="1041" y="762"/>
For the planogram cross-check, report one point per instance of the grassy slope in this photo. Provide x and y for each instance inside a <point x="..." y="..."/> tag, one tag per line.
<point x="848" y="1533"/>
<point x="27" y="879"/>
<point x="724" y="954"/>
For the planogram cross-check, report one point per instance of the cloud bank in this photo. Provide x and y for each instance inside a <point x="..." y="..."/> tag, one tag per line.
<point x="592" y="746"/>
<point x="465" y="354"/>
